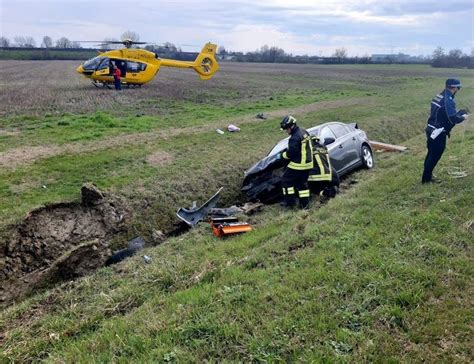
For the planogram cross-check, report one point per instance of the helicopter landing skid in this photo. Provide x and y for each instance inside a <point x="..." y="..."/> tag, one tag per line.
<point x="101" y="84"/>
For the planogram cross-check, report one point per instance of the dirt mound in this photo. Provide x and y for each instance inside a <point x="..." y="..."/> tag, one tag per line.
<point x="62" y="240"/>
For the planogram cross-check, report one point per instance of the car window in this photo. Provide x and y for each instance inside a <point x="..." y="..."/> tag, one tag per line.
<point x="282" y="144"/>
<point x="314" y="131"/>
<point x="326" y="133"/>
<point x="339" y="130"/>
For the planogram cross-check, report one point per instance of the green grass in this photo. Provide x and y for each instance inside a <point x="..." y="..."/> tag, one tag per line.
<point x="381" y="273"/>
<point x="72" y="128"/>
<point x="390" y="117"/>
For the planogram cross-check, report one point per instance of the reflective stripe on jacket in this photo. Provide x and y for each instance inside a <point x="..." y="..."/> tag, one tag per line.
<point x="443" y="112"/>
<point x="300" y="150"/>
<point x="322" y="170"/>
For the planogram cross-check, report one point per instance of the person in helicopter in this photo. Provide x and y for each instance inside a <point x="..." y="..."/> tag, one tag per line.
<point x="123" y="68"/>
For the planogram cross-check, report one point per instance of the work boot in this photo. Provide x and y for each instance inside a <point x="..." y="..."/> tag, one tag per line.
<point x="288" y="203"/>
<point x="323" y="198"/>
<point x="432" y="180"/>
<point x="304" y="203"/>
<point x="330" y="192"/>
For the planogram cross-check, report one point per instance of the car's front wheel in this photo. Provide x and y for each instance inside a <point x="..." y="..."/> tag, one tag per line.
<point x="367" y="157"/>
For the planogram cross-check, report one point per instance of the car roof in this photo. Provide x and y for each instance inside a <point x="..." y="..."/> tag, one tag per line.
<point x="314" y="130"/>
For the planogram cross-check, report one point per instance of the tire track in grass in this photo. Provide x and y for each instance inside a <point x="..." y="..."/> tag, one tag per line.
<point x="16" y="157"/>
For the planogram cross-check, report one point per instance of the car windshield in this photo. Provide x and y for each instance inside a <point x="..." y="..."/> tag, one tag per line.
<point x="281" y="145"/>
<point x="92" y="64"/>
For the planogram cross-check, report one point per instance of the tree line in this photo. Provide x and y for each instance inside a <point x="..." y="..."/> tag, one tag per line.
<point x="268" y="54"/>
<point x="63" y="42"/>
<point x="29" y="42"/>
<point x="454" y="58"/>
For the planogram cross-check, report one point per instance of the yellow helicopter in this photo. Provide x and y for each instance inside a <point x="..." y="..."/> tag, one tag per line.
<point x="139" y="66"/>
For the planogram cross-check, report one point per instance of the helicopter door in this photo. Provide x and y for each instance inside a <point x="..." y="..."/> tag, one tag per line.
<point x="122" y="66"/>
<point x="134" y="69"/>
<point x="104" y="68"/>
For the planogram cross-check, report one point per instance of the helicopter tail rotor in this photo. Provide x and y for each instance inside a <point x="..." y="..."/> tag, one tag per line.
<point x="206" y="63"/>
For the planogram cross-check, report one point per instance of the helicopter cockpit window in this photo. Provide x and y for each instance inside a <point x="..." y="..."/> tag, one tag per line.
<point x="104" y="64"/>
<point x="135" y="66"/>
<point x="92" y="64"/>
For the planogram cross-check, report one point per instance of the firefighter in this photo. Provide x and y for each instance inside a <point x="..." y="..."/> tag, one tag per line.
<point x="323" y="178"/>
<point x="300" y="157"/>
<point x="443" y="118"/>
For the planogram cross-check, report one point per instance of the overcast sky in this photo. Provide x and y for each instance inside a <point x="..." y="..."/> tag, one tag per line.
<point x="299" y="27"/>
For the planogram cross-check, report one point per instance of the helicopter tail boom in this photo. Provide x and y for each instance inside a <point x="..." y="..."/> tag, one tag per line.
<point x="205" y="63"/>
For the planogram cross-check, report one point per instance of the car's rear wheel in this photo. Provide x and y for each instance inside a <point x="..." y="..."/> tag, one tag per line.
<point x="367" y="157"/>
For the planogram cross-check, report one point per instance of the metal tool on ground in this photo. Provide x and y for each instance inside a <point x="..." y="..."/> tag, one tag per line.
<point x="225" y="226"/>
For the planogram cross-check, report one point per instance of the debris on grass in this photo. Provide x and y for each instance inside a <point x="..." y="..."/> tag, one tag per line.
<point x="251" y="208"/>
<point x="194" y="215"/>
<point x="456" y="172"/>
<point x="134" y="245"/>
<point x="233" y="128"/>
<point x="225" y="211"/>
<point x="158" y="236"/>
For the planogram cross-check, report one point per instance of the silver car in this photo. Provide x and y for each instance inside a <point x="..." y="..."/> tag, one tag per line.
<point x="348" y="148"/>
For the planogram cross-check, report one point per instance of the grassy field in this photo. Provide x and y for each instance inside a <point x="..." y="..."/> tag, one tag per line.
<point x="381" y="273"/>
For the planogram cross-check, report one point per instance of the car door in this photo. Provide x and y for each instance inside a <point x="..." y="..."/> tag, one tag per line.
<point x="336" y="154"/>
<point x="347" y="144"/>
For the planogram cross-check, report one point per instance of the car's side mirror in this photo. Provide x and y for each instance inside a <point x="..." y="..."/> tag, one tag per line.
<point x="329" y="140"/>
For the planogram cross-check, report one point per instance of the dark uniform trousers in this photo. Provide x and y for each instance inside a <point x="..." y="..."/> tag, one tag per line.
<point x="295" y="181"/>
<point x="436" y="148"/>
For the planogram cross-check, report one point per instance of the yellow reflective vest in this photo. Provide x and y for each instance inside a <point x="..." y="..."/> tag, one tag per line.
<point x="322" y="170"/>
<point x="300" y="150"/>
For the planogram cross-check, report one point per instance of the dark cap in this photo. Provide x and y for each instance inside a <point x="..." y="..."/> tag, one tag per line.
<point x="452" y="82"/>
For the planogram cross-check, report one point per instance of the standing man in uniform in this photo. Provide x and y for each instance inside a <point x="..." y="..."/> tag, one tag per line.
<point x="443" y="118"/>
<point x="300" y="157"/>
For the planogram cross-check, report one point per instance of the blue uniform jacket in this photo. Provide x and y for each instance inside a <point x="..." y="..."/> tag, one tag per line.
<point x="443" y="112"/>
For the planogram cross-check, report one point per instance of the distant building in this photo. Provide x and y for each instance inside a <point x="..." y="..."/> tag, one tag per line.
<point x="396" y="58"/>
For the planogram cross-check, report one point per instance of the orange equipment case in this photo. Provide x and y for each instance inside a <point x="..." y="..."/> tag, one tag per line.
<point x="228" y="225"/>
